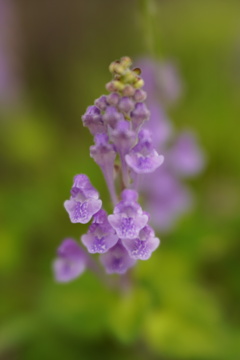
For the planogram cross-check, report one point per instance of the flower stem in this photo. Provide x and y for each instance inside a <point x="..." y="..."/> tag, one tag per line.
<point x="147" y="17"/>
<point x="108" y="175"/>
<point x="124" y="167"/>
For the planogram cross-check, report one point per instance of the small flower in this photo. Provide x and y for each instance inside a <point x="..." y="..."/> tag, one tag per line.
<point x="104" y="155"/>
<point x="112" y="117"/>
<point x="142" y="247"/>
<point x="143" y="158"/>
<point x="160" y="127"/>
<point x="101" y="103"/>
<point x="128" y="218"/>
<point x="139" y="115"/>
<point x="71" y="261"/>
<point x="140" y="95"/>
<point x="92" y="119"/>
<point x="167" y="198"/>
<point x="122" y="137"/>
<point x="101" y="236"/>
<point x="113" y="99"/>
<point x="103" y="152"/>
<point x="185" y="157"/>
<point x="84" y="202"/>
<point x="126" y="104"/>
<point x="117" y="260"/>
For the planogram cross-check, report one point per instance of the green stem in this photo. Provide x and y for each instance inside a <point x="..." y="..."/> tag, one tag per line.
<point x="148" y="21"/>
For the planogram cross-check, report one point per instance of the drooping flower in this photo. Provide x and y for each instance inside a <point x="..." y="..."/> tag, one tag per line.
<point x="100" y="236"/>
<point x="143" y="158"/>
<point x="93" y="120"/>
<point x="142" y="247"/>
<point x="71" y="261"/>
<point x="117" y="260"/>
<point x="139" y="115"/>
<point x="128" y="218"/>
<point x="185" y="157"/>
<point x="104" y="155"/>
<point x="84" y="202"/>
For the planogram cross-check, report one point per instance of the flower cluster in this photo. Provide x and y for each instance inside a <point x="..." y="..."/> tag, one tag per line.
<point x="124" y="150"/>
<point x="167" y="198"/>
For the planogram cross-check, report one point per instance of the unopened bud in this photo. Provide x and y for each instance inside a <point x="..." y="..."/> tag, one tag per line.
<point x="118" y="85"/>
<point x="128" y="90"/>
<point x="139" y="83"/>
<point x="126" y="62"/>
<point x="110" y="87"/>
<point x="137" y="71"/>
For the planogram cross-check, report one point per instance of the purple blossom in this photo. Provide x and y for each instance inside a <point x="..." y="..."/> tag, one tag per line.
<point x="126" y="104"/>
<point x="71" y="261"/>
<point x="104" y="155"/>
<point x="103" y="152"/>
<point x="142" y="247"/>
<point x="101" y="236"/>
<point x="143" y="158"/>
<point x="112" y="117"/>
<point x="139" y="115"/>
<point x="167" y="199"/>
<point x="185" y="156"/>
<point x="84" y="202"/>
<point x="92" y="119"/>
<point x="128" y="218"/>
<point x="117" y="260"/>
<point x="160" y="127"/>
<point x="101" y="103"/>
<point x="162" y="80"/>
<point x="123" y="138"/>
<point x="113" y="99"/>
<point x="140" y="95"/>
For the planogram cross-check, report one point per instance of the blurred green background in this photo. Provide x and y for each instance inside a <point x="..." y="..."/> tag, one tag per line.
<point x="185" y="300"/>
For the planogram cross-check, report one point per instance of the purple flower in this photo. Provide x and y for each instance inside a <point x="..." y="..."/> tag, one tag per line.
<point x="128" y="218"/>
<point x="104" y="155"/>
<point x="140" y="95"/>
<point x="143" y="158"/>
<point x="162" y="80"/>
<point x="92" y="119"/>
<point x="101" y="236"/>
<point x="84" y="202"/>
<point x="185" y="157"/>
<point x="117" y="260"/>
<point x="126" y="104"/>
<point x="142" y="247"/>
<point x="159" y="125"/>
<point x="101" y="103"/>
<point x="113" y="99"/>
<point x="103" y="152"/>
<point x="123" y="138"/>
<point x="139" y="115"/>
<point x="71" y="261"/>
<point x="167" y="199"/>
<point x="112" y="117"/>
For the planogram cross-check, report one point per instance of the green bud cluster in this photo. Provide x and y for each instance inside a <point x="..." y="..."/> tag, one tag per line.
<point x="125" y="80"/>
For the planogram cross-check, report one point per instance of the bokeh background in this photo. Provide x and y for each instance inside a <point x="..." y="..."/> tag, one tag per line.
<point x="54" y="58"/>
